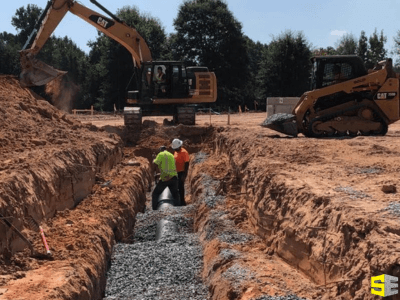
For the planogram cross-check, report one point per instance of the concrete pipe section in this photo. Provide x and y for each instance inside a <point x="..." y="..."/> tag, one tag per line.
<point x="165" y="227"/>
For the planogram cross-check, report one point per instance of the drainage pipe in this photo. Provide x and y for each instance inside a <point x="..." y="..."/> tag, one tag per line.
<point x="164" y="226"/>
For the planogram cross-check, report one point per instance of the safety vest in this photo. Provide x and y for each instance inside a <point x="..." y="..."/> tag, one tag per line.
<point x="159" y="78"/>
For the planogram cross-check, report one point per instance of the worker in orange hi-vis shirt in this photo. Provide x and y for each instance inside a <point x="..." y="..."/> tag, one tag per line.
<point x="182" y="167"/>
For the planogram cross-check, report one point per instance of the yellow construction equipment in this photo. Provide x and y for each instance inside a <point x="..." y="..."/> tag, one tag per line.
<point x="180" y="85"/>
<point x="345" y="100"/>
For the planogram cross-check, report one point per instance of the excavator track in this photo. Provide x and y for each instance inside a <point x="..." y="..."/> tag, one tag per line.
<point x="356" y="120"/>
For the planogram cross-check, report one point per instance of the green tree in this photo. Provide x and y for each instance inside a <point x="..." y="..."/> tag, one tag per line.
<point x="149" y="27"/>
<point x="285" y="66"/>
<point x="111" y="65"/>
<point x="377" y="51"/>
<point x="346" y="45"/>
<point x="324" y="51"/>
<point x="9" y="58"/>
<point x="362" y="47"/>
<point x="25" y="20"/>
<point x="396" y="50"/>
<point x="255" y="52"/>
<point x="208" y="34"/>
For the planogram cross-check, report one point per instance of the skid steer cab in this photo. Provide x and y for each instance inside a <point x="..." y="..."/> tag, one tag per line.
<point x="345" y="100"/>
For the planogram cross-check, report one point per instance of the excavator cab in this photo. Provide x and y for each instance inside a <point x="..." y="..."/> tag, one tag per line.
<point x="171" y="83"/>
<point x="334" y="69"/>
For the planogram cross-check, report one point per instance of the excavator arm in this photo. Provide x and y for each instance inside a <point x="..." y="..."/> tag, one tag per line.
<point x="35" y="72"/>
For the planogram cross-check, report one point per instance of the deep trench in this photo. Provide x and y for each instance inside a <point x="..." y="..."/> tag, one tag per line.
<point x="177" y="267"/>
<point x="143" y="267"/>
<point x="158" y="264"/>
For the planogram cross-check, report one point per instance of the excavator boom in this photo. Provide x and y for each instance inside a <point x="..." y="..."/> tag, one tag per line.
<point x="35" y="72"/>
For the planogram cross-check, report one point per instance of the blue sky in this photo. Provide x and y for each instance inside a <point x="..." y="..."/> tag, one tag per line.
<point x="322" y="22"/>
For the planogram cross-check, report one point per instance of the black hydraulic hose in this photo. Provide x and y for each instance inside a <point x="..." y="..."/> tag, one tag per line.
<point x="106" y="11"/>
<point x="37" y="25"/>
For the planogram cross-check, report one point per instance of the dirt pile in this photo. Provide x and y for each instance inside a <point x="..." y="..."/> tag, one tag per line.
<point x="48" y="161"/>
<point x="30" y="124"/>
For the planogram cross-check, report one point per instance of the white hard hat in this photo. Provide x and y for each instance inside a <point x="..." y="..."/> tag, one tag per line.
<point x="176" y="144"/>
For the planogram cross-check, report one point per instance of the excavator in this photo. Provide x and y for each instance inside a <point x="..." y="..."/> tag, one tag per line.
<point x="180" y="88"/>
<point x="345" y="100"/>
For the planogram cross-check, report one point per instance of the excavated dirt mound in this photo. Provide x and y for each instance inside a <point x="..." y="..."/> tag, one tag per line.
<point x="49" y="163"/>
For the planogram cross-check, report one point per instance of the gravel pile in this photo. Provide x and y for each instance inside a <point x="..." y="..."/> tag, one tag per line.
<point x="393" y="208"/>
<point x="368" y="171"/>
<point x="277" y="119"/>
<point x="209" y="195"/>
<point x="221" y="227"/>
<point x="146" y="224"/>
<point x="237" y="274"/>
<point x="353" y="194"/>
<point x="229" y="254"/>
<point x="200" y="157"/>
<point x="165" y="270"/>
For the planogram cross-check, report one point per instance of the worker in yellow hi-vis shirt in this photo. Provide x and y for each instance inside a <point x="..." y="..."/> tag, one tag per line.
<point x="165" y="162"/>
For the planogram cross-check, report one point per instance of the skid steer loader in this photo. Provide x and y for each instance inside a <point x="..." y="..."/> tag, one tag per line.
<point x="345" y="99"/>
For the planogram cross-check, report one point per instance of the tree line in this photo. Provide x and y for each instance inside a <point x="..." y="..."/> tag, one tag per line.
<point x="207" y="34"/>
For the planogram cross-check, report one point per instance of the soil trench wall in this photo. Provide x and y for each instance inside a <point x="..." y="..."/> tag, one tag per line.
<point x="52" y="185"/>
<point x="82" y="239"/>
<point x="318" y="237"/>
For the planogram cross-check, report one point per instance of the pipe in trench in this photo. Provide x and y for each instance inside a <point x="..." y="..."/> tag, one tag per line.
<point x="164" y="226"/>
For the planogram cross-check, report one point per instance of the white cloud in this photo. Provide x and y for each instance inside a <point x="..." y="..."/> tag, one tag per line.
<point x="338" y="32"/>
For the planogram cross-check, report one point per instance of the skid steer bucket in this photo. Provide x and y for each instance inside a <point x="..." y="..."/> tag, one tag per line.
<point x="35" y="72"/>
<point x="284" y="123"/>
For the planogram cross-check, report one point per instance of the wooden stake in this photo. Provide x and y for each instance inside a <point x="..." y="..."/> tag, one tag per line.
<point x="210" y="115"/>
<point x="229" y="116"/>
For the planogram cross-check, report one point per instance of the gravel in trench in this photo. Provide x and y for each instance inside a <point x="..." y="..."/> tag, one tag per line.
<point x="169" y="269"/>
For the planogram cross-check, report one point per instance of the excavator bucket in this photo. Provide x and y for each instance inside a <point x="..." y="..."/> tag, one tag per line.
<point x="284" y="123"/>
<point x="35" y="72"/>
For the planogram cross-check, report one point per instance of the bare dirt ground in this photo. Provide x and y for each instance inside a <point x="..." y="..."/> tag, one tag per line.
<point x="328" y="208"/>
<point x="324" y="213"/>
<point x="248" y="119"/>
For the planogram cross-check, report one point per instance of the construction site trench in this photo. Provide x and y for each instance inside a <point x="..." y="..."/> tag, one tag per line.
<point x="268" y="217"/>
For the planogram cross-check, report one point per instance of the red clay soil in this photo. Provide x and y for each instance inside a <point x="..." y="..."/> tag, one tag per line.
<point x="317" y="209"/>
<point x="320" y="207"/>
<point x="50" y="168"/>
<point x="81" y="241"/>
<point x="48" y="161"/>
